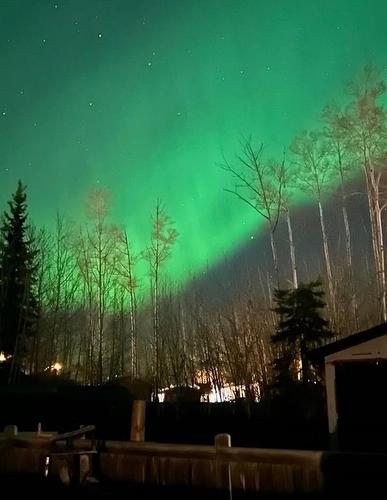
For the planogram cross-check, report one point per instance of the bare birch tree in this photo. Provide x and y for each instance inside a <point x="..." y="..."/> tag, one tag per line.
<point x="129" y="281"/>
<point x="365" y="131"/>
<point x="314" y="176"/>
<point x="256" y="186"/>
<point x="99" y="242"/>
<point x="42" y="244"/>
<point x="163" y="237"/>
<point x="284" y="177"/>
<point x="342" y="161"/>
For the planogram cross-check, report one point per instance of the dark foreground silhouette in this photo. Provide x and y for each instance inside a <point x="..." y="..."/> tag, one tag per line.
<point x="346" y="483"/>
<point x="44" y="489"/>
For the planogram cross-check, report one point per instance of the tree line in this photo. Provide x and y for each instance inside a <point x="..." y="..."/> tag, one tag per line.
<point x="351" y="139"/>
<point x="71" y="297"/>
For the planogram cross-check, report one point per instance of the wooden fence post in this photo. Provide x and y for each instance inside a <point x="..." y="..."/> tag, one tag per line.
<point x="223" y="467"/>
<point x="10" y="431"/>
<point x="137" y="430"/>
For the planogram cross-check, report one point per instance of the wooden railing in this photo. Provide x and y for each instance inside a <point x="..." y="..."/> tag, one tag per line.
<point x="220" y="466"/>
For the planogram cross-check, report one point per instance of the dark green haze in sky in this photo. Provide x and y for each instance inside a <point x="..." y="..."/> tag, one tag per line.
<point x="145" y="97"/>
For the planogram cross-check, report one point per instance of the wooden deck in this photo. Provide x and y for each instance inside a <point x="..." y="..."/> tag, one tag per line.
<point x="218" y="467"/>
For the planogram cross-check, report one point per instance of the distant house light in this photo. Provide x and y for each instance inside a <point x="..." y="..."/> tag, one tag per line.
<point x="54" y="368"/>
<point x="4" y="357"/>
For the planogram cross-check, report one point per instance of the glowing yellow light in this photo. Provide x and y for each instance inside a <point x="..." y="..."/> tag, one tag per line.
<point x="4" y="357"/>
<point x="56" y="367"/>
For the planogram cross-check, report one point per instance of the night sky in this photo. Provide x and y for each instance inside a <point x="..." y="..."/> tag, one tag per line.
<point x="145" y="97"/>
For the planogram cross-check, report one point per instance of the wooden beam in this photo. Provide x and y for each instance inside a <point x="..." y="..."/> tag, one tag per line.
<point x="73" y="434"/>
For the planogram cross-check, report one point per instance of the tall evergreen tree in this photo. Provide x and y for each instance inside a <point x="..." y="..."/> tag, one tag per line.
<point x="18" y="310"/>
<point x="300" y="326"/>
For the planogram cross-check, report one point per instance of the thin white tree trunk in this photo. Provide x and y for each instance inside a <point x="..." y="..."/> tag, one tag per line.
<point x="348" y="248"/>
<point x="380" y="246"/>
<point x="372" y="185"/>
<point x="275" y="257"/>
<point x="100" y="307"/>
<point x="327" y="258"/>
<point x="292" y="249"/>
<point x="132" y="310"/>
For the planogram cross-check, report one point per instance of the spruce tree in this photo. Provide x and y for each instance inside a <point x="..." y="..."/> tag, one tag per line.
<point x="18" y="310"/>
<point x="300" y="327"/>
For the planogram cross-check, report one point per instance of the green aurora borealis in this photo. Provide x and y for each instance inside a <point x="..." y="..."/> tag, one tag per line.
<point x="144" y="98"/>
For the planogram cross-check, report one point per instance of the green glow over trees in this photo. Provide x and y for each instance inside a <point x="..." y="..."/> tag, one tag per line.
<point x="148" y="108"/>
